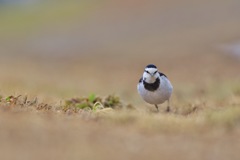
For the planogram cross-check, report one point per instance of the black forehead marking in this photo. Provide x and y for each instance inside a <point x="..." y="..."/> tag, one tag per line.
<point x="151" y="66"/>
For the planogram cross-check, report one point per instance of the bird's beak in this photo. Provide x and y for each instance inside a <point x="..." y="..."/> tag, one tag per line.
<point x="152" y="74"/>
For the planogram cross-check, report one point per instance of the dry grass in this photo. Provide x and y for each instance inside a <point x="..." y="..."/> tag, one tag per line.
<point x="198" y="131"/>
<point x="203" y="123"/>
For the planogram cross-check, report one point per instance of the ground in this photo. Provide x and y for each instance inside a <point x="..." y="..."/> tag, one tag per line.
<point x="36" y="80"/>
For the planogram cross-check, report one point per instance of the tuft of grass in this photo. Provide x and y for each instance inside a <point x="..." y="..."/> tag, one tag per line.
<point x="20" y="102"/>
<point x="94" y="103"/>
<point x="92" y="97"/>
<point x="75" y="105"/>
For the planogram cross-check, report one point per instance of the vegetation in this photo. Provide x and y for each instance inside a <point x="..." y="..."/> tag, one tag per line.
<point x="184" y="118"/>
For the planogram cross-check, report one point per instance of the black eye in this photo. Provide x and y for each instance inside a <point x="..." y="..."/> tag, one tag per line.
<point x="147" y="71"/>
<point x="155" y="72"/>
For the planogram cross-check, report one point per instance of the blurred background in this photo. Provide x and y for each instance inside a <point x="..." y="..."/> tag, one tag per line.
<point x="73" y="48"/>
<point x="55" y="50"/>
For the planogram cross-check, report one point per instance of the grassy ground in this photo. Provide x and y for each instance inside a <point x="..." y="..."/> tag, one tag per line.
<point x="49" y="106"/>
<point x="203" y="122"/>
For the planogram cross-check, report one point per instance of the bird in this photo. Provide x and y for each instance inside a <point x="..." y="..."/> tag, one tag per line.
<point x="154" y="87"/>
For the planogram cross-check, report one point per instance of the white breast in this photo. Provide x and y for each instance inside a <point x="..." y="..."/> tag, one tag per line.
<point x="159" y="96"/>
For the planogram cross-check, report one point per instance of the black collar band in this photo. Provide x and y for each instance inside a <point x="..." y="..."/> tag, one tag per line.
<point x="152" y="86"/>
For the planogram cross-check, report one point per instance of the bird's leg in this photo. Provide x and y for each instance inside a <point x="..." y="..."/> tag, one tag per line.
<point x="156" y="107"/>
<point x="168" y="106"/>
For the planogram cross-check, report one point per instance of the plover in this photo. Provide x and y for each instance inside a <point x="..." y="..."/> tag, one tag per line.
<point x="154" y="87"/>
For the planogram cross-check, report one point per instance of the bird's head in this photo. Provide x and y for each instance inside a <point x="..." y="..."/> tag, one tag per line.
<point x="150" y="73"/>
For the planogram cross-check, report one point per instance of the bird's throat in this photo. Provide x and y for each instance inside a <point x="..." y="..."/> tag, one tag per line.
<point x="152" y="86"/>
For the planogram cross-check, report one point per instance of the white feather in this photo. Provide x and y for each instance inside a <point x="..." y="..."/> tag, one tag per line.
<point x="160" y="95"/>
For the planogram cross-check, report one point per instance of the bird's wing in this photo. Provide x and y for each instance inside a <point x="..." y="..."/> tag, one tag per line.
<point x="162" y="74"/>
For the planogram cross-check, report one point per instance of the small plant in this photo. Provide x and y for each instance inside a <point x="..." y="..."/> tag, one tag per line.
<point x="94" y="103"/>
<point x="12" y="99"/>
<point x="8" y="99"/>
<point x="91" y="97"/>
<point x="97" y="106"/>
<point x="91" y="103"/>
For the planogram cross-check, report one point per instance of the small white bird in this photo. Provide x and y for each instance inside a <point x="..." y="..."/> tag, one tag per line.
<point x="154" y="87"/>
